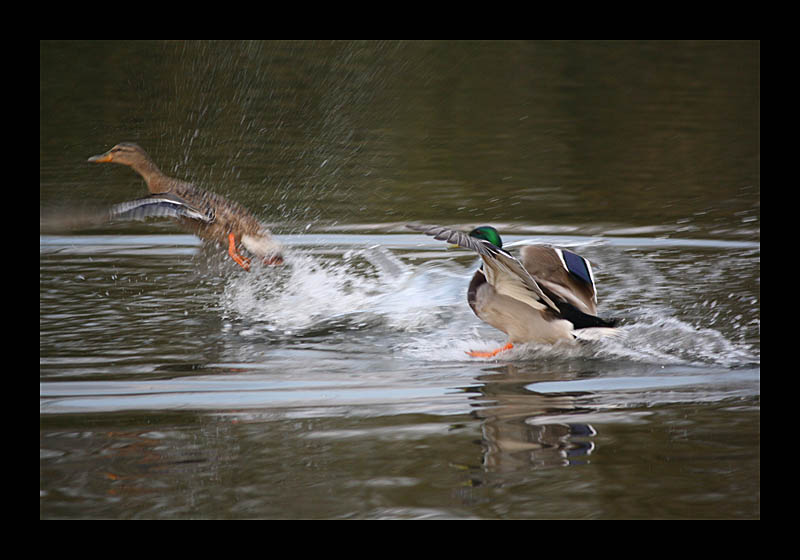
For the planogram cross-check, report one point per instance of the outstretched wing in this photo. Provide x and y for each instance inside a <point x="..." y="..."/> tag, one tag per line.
<point x="455" y="237"/>
<point x="504" y="272"/>
<point x="158" y="206"/>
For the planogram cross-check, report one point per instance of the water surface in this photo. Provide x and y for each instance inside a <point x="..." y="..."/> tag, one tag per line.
<point x="175" y="385"/>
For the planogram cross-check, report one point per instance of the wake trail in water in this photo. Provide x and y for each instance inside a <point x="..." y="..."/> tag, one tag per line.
<point x="362" y="286"/>
<point x="418" y="310"/>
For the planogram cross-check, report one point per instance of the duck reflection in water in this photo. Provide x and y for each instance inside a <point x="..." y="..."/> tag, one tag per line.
<point x="523" y="429"/>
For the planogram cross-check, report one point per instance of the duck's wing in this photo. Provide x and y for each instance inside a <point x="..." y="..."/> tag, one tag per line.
<point x="162" y="205"/>
<point x="566" y="275"/>
<point x="453" y="236"/>
<point x="504" y="272"/>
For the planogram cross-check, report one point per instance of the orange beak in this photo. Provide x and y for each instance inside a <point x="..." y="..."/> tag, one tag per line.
<point x="102" y="158"/>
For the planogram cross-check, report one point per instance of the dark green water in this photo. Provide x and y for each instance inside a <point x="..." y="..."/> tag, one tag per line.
<point x="173" y="385"/>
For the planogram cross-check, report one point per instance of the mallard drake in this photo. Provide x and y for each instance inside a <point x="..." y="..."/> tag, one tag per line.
<point x="547" y="296"/>
<point x="209" y="216"/>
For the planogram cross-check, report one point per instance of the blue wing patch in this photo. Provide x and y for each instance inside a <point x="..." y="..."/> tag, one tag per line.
<point x="578" y="266"/>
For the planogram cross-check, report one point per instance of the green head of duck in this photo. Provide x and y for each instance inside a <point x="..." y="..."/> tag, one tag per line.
<point x="487" y="233"/>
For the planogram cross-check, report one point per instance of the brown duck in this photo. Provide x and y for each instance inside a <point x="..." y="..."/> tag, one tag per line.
<point x="208" y="215"/>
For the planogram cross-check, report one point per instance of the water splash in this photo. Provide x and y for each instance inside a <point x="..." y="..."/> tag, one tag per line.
<point x="669" y="340"/>
<point x="362" y="288"/>
<point x="418" y="310"/>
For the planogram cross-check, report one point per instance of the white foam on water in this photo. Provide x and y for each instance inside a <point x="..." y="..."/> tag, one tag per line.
<point x="417" y="309"/>
<point x="363" y="287"/>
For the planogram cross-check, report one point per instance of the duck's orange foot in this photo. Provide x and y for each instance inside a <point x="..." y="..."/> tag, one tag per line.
<point x="244" y="262"/>
<point x="490" y="354"/>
